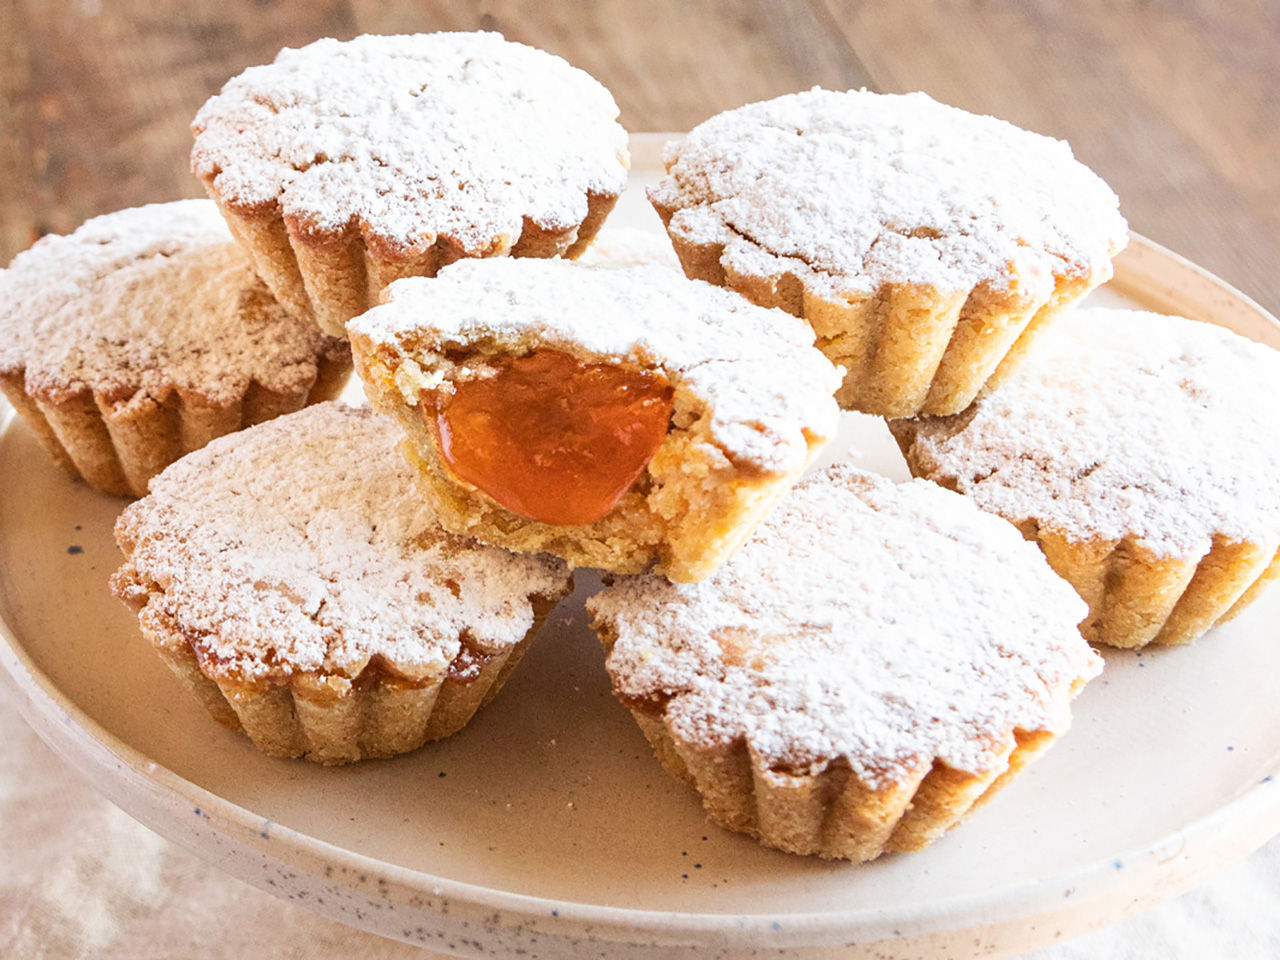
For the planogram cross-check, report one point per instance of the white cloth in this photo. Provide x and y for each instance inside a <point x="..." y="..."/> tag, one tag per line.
<point x="80" y="880"/>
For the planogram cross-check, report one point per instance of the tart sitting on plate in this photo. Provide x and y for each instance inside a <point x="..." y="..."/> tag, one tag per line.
<point x="1142" y="453"/>
<point x="291" y="577"/>
<point x="875" y="660"/>
<point x="618" y="418"/>
<point x="145" y="334"/>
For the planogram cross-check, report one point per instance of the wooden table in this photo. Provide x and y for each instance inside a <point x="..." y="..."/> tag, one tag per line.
<point x="1178" y="109"/>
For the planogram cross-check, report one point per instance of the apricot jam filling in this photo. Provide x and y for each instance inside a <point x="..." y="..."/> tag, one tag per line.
<point x="552" y="438"/>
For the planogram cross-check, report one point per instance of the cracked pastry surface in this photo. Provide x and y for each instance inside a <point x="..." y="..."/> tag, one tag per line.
<point x="751" y="397"/>
<point x="295" y="556"/>
<point x="1150" y="435"/>
<point x="868" y="636"/>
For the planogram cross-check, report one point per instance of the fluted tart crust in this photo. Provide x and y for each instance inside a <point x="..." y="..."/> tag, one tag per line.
<point x="343" y="166"/>
<point x="1142" y="453"/>
<point x="874" y="662"/>
<point x="926" y="246"/>
<point x="290" y="576"/>
<point x="145" y="334"/>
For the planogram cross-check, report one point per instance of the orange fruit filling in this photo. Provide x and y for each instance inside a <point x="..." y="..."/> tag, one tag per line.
<point x="552" y="438"/>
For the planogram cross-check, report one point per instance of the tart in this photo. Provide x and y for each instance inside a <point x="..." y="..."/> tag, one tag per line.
<point x="875" y="661"/>
<point x="145" y="334"/>
<point x="292" y="581"/>
<point x="927" y="246"/>
<point x="345" y="165"/>
<point x="618" y="418"/>
<point x="1142" y="453"/>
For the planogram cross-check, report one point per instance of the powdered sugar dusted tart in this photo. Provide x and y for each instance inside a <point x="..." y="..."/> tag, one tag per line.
<point x="927" y="246"/>
<point x="872" y="663"/>
<point x="1142" y="452"/>
<point x="343" y="166"/>
<point x="145" y="334"/>
<point x="726" y="403"/>
<point x="294" y="582"/>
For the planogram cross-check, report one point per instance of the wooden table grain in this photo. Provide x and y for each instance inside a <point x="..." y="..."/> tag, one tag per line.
<point x="1176" y="105"/>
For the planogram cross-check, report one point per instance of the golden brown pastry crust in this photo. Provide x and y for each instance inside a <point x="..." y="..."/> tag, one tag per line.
<point x="145" y="334"/>
<point x="1139" y="452"/>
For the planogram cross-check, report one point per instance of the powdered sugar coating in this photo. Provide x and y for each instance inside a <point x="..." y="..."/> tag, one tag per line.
<point x="753" y="370"/>
<point x="461" y="135"/>
<point x="136" y="303"/>
<point x="889" y="624"/>
<point x="851" y="190"/>
<point x="301" y="545"/>
<point x="629" y="247"/>
<point x="1123" y="423"/>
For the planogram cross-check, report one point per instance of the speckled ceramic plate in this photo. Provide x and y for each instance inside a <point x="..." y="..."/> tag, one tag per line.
<point x="546" y="829"/>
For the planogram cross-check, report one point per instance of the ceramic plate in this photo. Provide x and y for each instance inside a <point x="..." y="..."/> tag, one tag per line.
<point x="546" y="829"/>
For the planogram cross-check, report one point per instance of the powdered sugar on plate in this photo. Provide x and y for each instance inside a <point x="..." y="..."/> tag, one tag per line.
<point x="889" y="624"/>
<point x="302" y="545"/>
<point x="1123" y="423"/>
<point x="851" y="190"/>
<point x="753" y="370"/>
<point x="144" y="301"/>
<point x="460" y="135"/>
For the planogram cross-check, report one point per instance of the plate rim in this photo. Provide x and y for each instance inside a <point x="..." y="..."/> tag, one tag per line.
<point x="50" y="705"/>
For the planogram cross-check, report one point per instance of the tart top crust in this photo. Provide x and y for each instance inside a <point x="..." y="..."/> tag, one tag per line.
<point x="136" y="303"/>
<point x="889" y="624"/>
<point x="1121" y="424"/>
<point x="300" y="545"/>
<point x="753" y="371"/>
<point x="461" y="135"/>
<point x="853" y="190"/>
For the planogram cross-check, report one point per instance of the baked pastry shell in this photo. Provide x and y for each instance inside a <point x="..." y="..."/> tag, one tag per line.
<point x="334" y="275"/>
<point x="1137" y="596"/>
<point x="330" y="718"/>
<point x="117" y="444"/>
<point x="826" y="810"/>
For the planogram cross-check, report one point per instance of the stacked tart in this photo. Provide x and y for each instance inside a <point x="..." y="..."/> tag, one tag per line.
<point x="620" y="418"/>
<point x="839" y="665"/>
